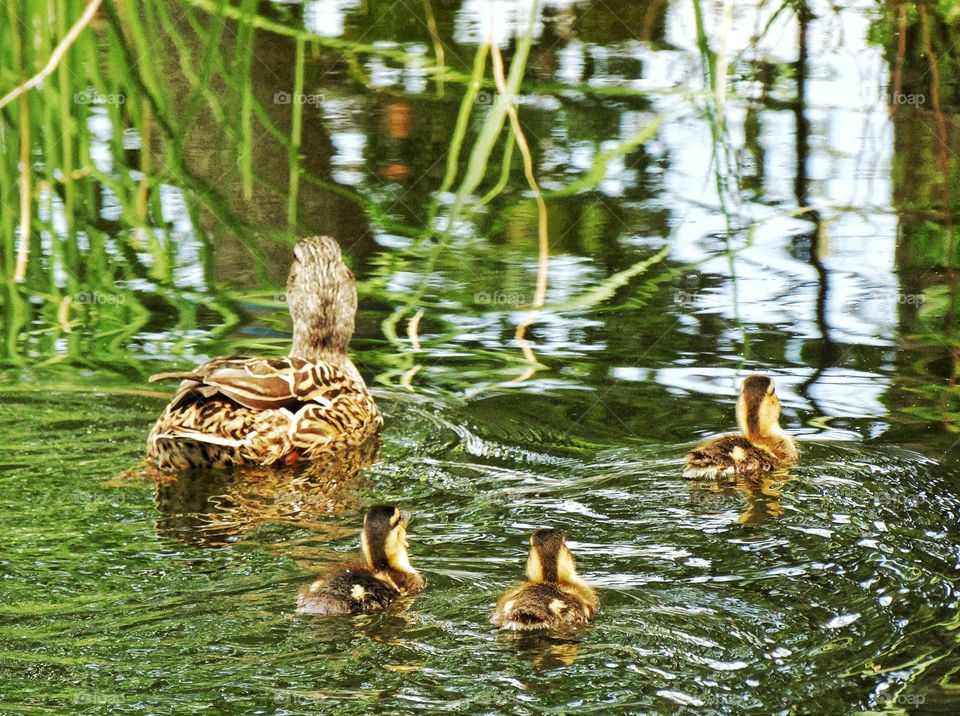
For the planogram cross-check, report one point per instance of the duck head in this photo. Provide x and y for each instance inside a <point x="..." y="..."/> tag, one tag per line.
<point x="758" y="409"/>
<point x="384" y="540"/>
<point x="550" y="560"/>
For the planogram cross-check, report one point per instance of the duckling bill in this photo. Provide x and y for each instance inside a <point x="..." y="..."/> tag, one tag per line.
<point x="554" y="595"/>
<point x="761" y="447"/>
<point x="267" y="411"/>
<point x="384" y="577"/>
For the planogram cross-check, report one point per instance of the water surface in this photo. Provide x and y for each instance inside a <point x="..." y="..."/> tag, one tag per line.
<point x="800" y="225"/>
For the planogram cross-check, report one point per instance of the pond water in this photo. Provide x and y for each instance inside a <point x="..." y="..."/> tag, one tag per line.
<point x="798" y="223"/>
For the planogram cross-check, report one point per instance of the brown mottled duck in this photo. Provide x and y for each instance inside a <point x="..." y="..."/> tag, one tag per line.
<point x="267" y="411"/>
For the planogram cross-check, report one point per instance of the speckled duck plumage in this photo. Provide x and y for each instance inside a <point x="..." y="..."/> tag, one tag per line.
<point x="266" y="411"/>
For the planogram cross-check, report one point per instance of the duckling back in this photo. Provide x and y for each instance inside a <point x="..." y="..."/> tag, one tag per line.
<point x="729" y="455"/>
<point x="540" y="606"/>
<point x="349" y="590"/>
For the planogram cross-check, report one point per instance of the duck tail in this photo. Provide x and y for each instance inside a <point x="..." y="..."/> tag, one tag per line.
<point x="171" y="376"/>
<point x="528" y="617"/>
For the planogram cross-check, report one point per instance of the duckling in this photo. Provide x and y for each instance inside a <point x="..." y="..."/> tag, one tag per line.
<point x="371" y="587"/>
<point x="762" y="447"/>
<point x="554" y="595"/>
<point x="266" y="411"/>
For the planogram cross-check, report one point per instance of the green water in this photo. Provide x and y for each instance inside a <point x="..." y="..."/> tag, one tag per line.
<point x="794" y="225"/>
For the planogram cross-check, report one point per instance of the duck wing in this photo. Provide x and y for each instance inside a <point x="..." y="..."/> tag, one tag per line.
<point x="261" y="383"/>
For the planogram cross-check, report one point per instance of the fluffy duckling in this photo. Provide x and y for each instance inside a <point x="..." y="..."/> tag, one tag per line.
<point x="371" y="587"/>
<point x="762" y="446"/>
<point x="554" y="595"/>
<point x="267" y="411"/>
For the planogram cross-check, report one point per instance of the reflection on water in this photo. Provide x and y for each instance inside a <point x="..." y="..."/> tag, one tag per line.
<point x="207" y="507"/>
<point x="547" y="651"/>
<point x="797" y="220"/>
<point x="760" y="497"/>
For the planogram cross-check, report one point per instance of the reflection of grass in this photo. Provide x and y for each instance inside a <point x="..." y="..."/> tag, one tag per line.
<point x="489" y="134"/>
<point x="77" y="258"/>
<point x="726" y="175"/>
<point x="477" y="164"/>
<point x="104" y="139"/>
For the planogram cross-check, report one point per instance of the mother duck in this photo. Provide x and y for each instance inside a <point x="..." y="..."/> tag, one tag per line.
<point x="267" y="411"/>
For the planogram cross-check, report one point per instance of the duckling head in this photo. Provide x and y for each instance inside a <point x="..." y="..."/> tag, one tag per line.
<point x="384" y="540"/>
<point x="322" y="297"/>
<point x="758" y="409"/>
<point x="550" y="560"/>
